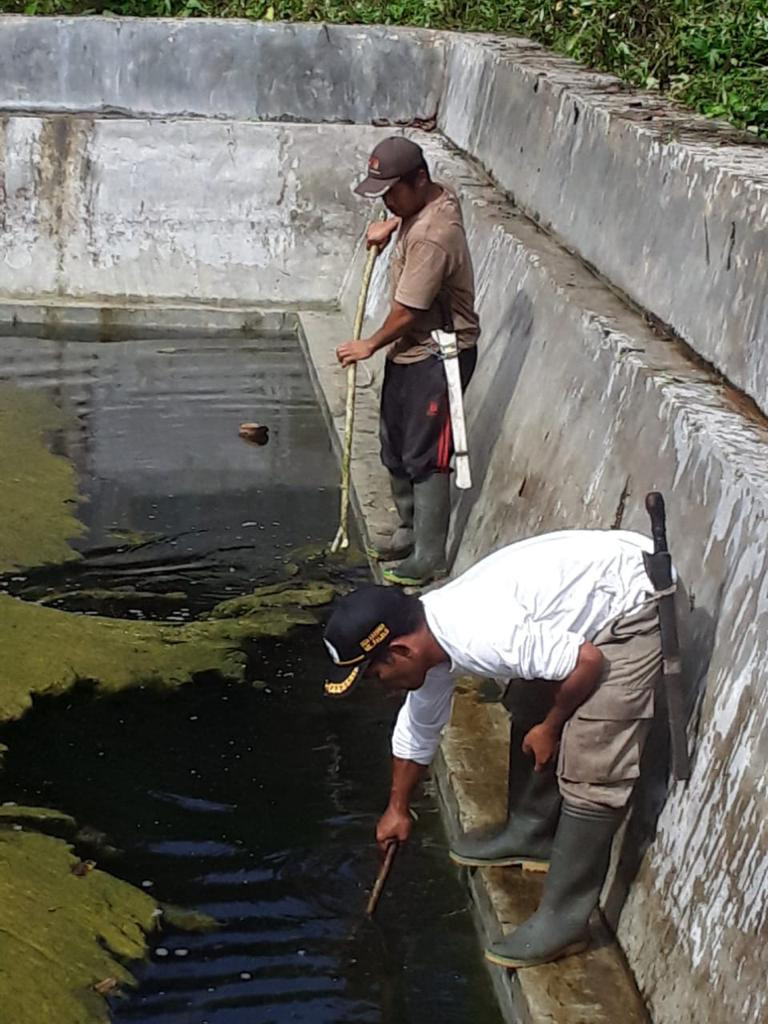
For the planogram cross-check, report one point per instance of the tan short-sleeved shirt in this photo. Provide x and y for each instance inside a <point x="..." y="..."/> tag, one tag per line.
<point x="431" y="255"/>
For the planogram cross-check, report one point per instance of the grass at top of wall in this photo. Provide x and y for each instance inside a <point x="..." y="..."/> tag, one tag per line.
<point x="711" y="55"/>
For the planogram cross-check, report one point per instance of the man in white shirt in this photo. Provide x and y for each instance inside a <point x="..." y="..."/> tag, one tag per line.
<point x="570" y="614"/>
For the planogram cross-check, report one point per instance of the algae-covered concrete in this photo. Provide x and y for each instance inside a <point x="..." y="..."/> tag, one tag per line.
<point x="62" y="933"/>
<point x="38" y="497"/>
<point x="48" y="651"/>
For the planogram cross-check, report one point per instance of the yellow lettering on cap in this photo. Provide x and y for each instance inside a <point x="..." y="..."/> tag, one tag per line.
<point x="375" y="637"/>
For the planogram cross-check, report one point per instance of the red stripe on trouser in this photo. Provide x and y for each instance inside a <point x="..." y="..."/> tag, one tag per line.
<point x="444" y="444"/>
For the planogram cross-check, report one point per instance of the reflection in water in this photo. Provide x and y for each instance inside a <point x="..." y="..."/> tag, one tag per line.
<point x="175" y="501"/>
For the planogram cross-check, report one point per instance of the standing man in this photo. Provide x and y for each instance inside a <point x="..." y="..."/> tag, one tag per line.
<point x="432" y="286"/>
<point x="571" y="615"/>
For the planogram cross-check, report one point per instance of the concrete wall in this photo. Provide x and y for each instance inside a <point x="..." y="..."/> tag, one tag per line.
<point x="576" y="410"/>
<point x="577" y="407"/>
<point x="236" y="69"/>
<point x="672" y="209"/>
<point x="124" y="209"/>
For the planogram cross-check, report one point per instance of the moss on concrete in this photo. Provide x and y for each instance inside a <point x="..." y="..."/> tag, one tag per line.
<point x="277" y="595"/>
<point x="38" y="499"/>
<point x="41" y="819"/>
<point x="46" y="651"/>
<point x="62" y="933"/>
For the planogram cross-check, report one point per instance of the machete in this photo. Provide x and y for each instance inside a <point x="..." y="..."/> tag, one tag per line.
<point x="659" y="569"/>
<point x="448" y="345"/>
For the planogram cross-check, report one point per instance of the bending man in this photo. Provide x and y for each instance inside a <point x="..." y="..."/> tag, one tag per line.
<point x="431" y="281"/>
<point x="571" y="618"/>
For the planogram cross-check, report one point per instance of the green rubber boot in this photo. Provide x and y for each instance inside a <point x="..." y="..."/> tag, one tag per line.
<point x="431" y="515"/>
<point x="533" y="802"/>
<point x="401" y="543"/>
<point x="526" y="838"/>
<point x="576" y="874"/>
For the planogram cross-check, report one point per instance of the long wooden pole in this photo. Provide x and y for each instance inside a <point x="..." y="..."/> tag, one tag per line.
<point x="341" y="540"/>
<point x="381" y="878"/>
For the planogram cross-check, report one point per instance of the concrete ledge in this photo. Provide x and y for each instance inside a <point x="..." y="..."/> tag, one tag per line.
<point x="244" y="70"/>
<point x="671" y="208"/>
<point x="593" y="988"/>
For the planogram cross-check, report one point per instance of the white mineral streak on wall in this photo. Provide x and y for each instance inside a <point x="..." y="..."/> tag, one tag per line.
<point x="234" y="212"/>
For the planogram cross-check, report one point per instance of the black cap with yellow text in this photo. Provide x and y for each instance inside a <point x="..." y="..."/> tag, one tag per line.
<point x="362" y="625"/>
<point x="390" y="161"/>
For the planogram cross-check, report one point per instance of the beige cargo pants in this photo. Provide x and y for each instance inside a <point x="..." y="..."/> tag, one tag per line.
<point x="601" y="744"/>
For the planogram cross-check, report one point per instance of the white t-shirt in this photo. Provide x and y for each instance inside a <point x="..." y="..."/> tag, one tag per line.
<point x="522" y="613"/>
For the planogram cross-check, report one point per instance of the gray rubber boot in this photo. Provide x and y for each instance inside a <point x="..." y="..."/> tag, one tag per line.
<point x="431" y="515"/>
<point x="525" y="839"/>
<point x="401" y="544"/>
<point x="576" y="874"/>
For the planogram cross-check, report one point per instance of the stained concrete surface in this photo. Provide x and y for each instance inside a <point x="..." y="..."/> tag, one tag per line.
<point x="130" y="209"/>
<point x="241" y="70"/>
<point x="576" y="410"/>
<point x="668" y="206"/>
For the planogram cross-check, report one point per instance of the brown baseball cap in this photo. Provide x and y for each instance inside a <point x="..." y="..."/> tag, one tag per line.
<point x="390" y="160"/>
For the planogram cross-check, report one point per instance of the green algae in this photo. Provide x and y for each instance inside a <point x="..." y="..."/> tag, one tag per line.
<point x="46" y="651"/>
<point x="134" y="538"/>
<point x="117" y="601"/>
<point x="39" y="496"/>
<point x="62" y="933"/>
<point x="276" y="595"/>
<point x="42" y="819"/>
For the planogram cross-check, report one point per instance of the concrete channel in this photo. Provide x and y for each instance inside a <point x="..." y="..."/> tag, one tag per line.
<point x="620" y="251"/>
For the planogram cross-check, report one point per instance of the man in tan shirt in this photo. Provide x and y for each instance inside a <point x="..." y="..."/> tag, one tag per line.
<point x="432" y="285"/>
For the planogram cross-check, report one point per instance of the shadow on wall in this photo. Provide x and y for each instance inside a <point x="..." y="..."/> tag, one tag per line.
<point x="697" y="632"/>
<point x="501" y="358"/>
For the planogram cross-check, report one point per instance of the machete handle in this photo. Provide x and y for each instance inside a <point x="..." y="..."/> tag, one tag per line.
<point x="654" y="503"/>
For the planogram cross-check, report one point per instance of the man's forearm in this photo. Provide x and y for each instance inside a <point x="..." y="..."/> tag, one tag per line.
<point x="406" y="776"/>
<point x="398" y="320"/>
<point x="576" y="687"/>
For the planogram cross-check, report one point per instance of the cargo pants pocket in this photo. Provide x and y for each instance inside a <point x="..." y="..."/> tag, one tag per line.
<point x="603" y="741"/>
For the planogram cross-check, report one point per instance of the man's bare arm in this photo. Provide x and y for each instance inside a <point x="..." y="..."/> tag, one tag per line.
<point x="396" y="822"/>
<point x="399" y="319"/>
<point x="542" y="739"/>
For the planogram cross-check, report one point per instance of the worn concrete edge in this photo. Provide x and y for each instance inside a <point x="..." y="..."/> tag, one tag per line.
<point x="641" y="189"/>
<point x="595" y="987"/>
<point x="231" y="68"/>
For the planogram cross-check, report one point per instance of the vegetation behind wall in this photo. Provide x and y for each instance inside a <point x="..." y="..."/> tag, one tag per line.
<point x="711" y="55"/>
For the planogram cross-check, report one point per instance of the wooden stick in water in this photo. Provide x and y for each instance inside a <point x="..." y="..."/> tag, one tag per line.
<point x="381" y="878"/>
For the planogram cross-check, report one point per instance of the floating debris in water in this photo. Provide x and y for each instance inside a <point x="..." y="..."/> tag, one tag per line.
<point x="255" y="433"/>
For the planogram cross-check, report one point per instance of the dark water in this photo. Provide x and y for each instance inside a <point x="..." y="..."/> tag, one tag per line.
<point x="258" y="808"/>
<point x="256" y="803"/>
<point x="174" y="500"/>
